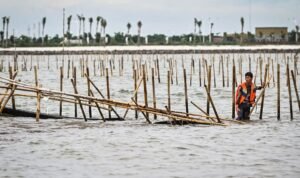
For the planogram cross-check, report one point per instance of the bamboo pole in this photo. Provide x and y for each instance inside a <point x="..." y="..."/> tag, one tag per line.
<point x="214" y="72"/>
<point x="38" y="109"/>
<point x="89" y="89"/>
<point x="136" y="93"/>
<point x="289" y="91"/>
<point x="259" y="97"/>
<point x="208" y="83"/>
<point x="199" y="108"/>
<point x="75" y="83"/>
<point x="212" y="103"/>
<point x="169" y="90"/>
<point x="68" y="68"/>
<point x="145" y="115"/>
<point x="185" y="93"/>
<point x="223" y="77"/>
<point x="61" y="89"/>
<point x="97" y="89"/>
<point x="8" y="87"/>
<point x="278" y="91"/>
<point x="8" y="97"/>
<point x="158" y="72"/>
<point x="153" y="91"/>
<point x="12" y="98"/>
<point x="145" y="89"/>
<point x="263" y="95"/>
<point x="233" y="91"/>
<point x="78" y="99"/>
<point x="200" y="80"/>
<point x="227" y="70"/>
<point x="295" y="87"/>
<point x="191" y="72"/>
<point x="108" y="92"/>
<point x="98" y="107"/>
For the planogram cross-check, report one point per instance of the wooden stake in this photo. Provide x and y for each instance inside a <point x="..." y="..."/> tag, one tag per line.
<point x="185" y="93"/>
<point x="89" y="89"/>
<point x="75" y="83"/>
<point x="169" y="90"/>
<point x="38" y="109"/>
<point x="68" y="68"/>
<point x="158" y="73"/>
<point x="136" y="94"/>
<point x="61" y="89"/>
<point x="153" y="92"/>
<point x="209" y="83"/>
<point x="108" y="92"/>
<point x="295" y="87"/>
<point x="289" y="90"/>
<point x="78" y="99"/>
<point x="263" y="95"/>
<point x="12" y="97"/>
<point x="233" y="91"/>
<point x="145" y="90"/>
<point x="278" y="91"/>
<point x="212" y="103"/>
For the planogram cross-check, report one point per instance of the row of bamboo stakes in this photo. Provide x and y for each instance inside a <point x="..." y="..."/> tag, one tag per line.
<point x="140" y="74"/>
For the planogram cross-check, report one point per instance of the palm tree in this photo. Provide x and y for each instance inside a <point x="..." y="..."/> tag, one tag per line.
<point x="128" y="28"/>
<point x="139" y="24"/>
<point x="296" y="36"/>
<point x="3" y="21"/>
<point x="83" y="24"/>
<point x="43" y="28"/>
<point x="97" y="24"/>
<point x="242" y="29"/>
<point x="91" y="22"/>
<point x="83" y="28"/>
<point x="7" y="24"/>
<point x="195" y="28"/>
<point x="199" y="23"/>
<point x="210" y="35"/>
<point x="69" y="23"/>
<point x="79" y="18"/>
<point x="103" y="26"/>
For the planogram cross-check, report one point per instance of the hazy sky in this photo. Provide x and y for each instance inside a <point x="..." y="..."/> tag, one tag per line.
<point x="158" y="16"/>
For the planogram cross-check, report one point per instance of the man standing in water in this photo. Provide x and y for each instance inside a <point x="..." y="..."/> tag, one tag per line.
<point x="245" y="97"/>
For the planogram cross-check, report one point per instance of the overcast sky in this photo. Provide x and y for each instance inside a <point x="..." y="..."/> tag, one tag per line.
<point x="158" y="16"/>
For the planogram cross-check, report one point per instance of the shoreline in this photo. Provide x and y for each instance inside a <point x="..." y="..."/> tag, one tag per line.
<point x="182" y="49"/>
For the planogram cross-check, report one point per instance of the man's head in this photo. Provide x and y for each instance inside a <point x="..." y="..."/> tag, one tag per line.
<point x="248" y="77"/>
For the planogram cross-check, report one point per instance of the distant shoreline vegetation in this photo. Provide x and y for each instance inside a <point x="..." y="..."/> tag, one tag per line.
<point x="99" y="37"/>
<point x="121" y="39"/>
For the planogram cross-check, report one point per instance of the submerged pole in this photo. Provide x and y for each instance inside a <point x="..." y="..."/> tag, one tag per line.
<point x="263" y="95"/>
<point x="295" y="87"/>
<point x="108" y="92"/>
<point x="278" y="91"/>
<point x="153" y="91"/>
<point x="185" y="94"/>
<point x="61" y="89"/>
<point x="233" y="91"/>
<point x="289" y="91"/>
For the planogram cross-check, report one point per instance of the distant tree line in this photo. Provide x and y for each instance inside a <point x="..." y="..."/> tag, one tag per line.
<point x="99" y="37"/>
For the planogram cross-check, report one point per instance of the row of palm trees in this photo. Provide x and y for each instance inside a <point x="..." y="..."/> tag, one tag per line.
<point x="99" y="21"/>
<point x="5" y="22"/>
<point x="5" y="31"/>
<point x="198" y="23"/>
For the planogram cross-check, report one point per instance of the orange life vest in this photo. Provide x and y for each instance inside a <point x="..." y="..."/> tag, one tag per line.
<point x="241" y="93"/>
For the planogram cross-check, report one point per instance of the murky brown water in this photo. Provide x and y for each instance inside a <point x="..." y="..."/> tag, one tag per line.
<point x="132" y="148"/>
